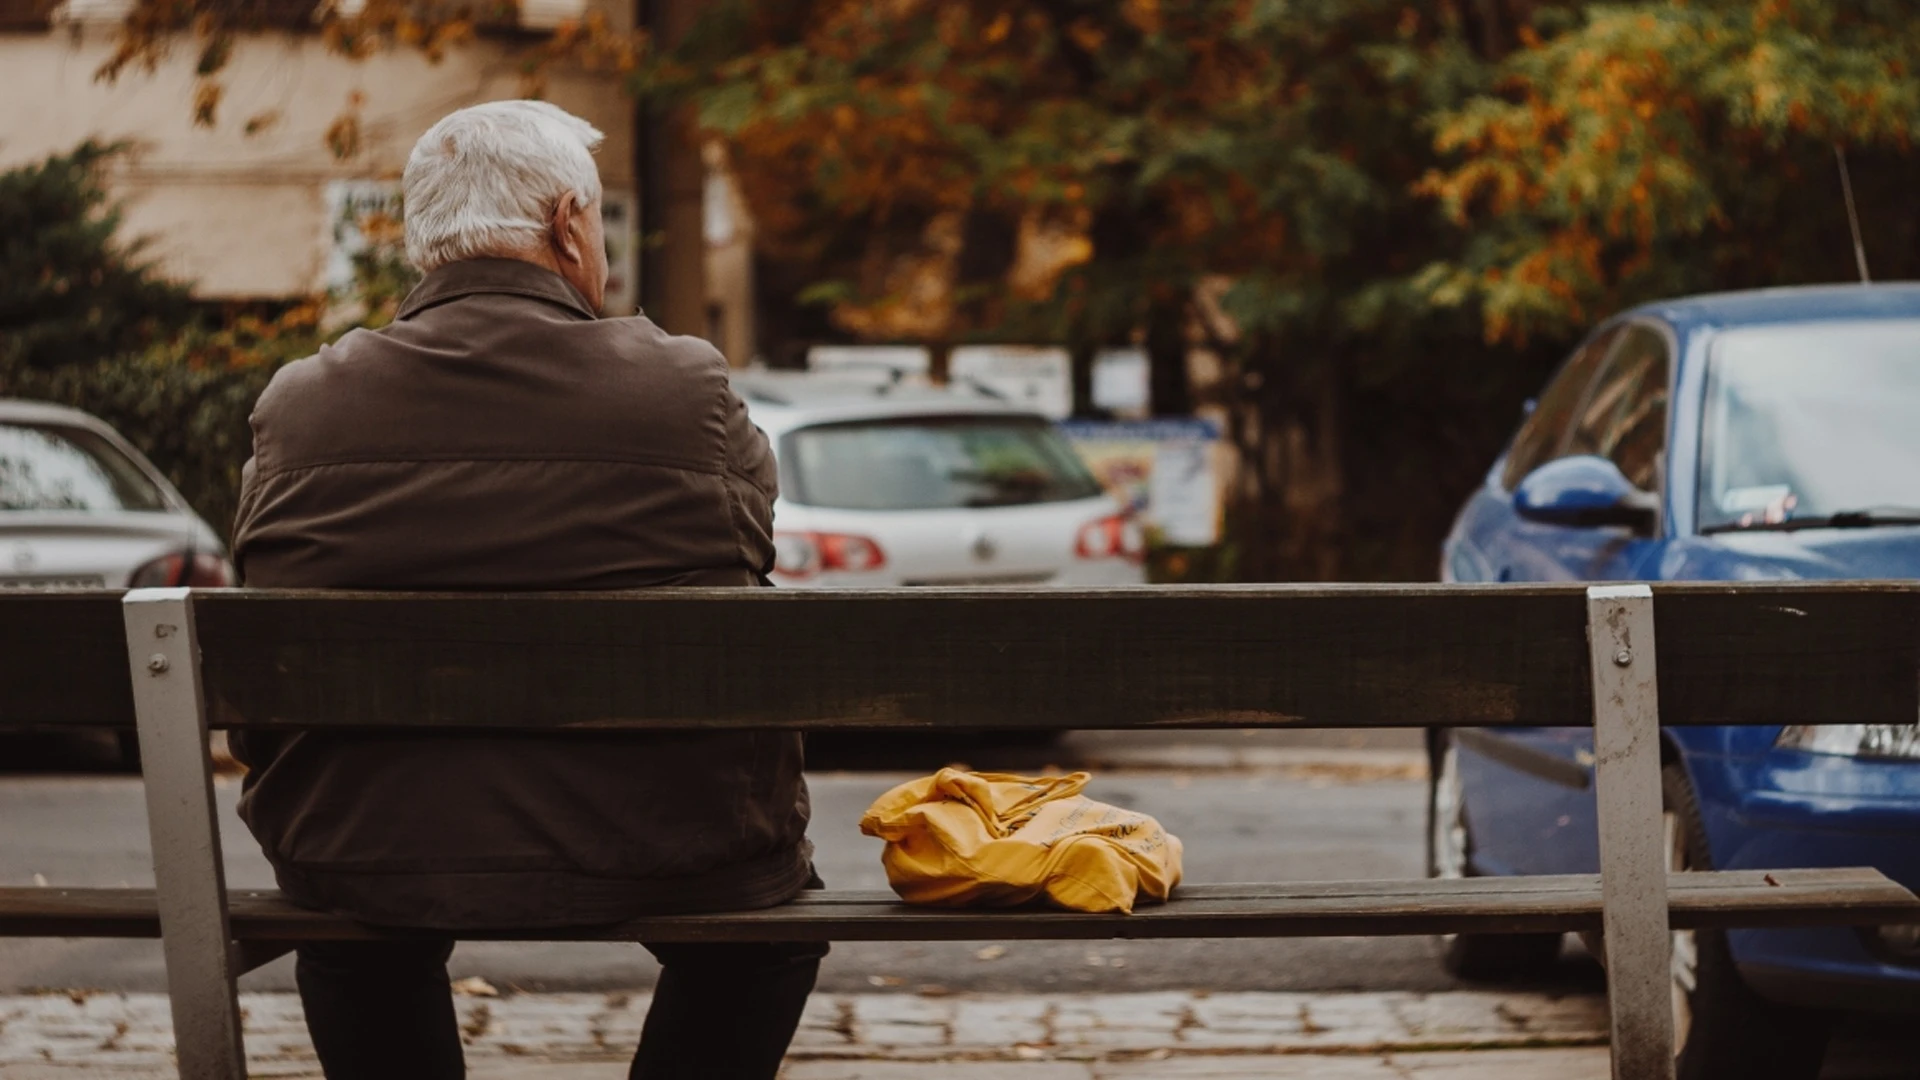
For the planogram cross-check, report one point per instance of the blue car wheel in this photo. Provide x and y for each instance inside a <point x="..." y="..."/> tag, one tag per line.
<point x="1473" y="957"/>
<point x="1722" y="1028"/>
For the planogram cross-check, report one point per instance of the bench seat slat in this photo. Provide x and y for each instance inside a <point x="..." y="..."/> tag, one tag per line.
<point x="1721" y="899"/>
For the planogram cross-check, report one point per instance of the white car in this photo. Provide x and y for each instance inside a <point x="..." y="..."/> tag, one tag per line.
<point x="884" y="483"/>
<point x="80" y="508"/>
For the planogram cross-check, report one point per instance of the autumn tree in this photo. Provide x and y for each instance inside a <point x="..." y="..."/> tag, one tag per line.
<point x="72" y="291"/>
<point x="1383" y="218"/>
<point x="1663" y="148"/>
<point x="1374" y="213"/>
<point x="1087" y="172"/>
<point x="1243" y="175"/>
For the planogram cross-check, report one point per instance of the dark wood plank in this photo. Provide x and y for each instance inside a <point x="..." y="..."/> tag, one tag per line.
<point x="1307" y="909"/>
<point x="63" y="661"/>
<point x="1232" y="656"/>
<point x="1789" y="653"/>
<point x="1353" y="656"/>
<point x="1138" y="658"/>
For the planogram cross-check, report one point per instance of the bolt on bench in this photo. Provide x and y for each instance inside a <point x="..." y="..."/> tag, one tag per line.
<point x="176" y="662"/>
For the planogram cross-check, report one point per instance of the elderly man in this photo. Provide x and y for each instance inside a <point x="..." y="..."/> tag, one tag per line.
<point x="499" y="435"/>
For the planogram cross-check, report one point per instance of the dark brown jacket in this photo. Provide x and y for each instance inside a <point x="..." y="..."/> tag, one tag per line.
<point x="498" y="436"/>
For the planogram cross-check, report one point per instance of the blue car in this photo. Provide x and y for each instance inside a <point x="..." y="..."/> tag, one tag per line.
<point x="1754" y="436"/>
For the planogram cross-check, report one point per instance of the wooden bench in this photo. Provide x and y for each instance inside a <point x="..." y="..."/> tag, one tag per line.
<point x="175" y="663"/>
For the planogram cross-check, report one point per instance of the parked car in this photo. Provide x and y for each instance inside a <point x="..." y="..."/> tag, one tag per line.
<point x="1746" y="436"/>
<point x="883" y="483"/>
<point x="80" y="508"/>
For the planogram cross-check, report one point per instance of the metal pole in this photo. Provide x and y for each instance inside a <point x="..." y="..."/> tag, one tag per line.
<point x="169" y="707"/>
<point x="1853" y="216"/>
<point x="1637" y="940"/>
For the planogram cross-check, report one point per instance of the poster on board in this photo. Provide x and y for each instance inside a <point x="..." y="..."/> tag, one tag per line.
<point x="1163" y="469"/>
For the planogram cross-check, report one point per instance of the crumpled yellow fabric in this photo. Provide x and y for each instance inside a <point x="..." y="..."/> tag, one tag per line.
<point x="958" y="839"/>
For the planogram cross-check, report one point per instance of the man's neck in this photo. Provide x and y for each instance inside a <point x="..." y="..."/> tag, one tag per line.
<point x="545" y="259"/>
<point x="540" y="257"/>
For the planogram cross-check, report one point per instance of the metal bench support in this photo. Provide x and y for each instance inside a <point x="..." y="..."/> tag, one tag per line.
<point x="1633" y="856"/>
<point x="190" y="881"/>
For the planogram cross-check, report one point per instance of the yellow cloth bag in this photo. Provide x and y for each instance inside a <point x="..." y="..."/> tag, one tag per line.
<point x="961" y="838"/>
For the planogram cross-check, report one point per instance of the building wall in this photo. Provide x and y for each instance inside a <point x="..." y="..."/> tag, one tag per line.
<point x="245" y="216"/>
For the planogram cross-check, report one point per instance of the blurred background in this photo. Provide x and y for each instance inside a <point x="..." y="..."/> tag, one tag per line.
<point x="1090" y="293"/>
<point x="1350" y="237"/>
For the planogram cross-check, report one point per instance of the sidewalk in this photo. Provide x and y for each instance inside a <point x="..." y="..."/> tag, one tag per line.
<point x="1189" y="1036"/>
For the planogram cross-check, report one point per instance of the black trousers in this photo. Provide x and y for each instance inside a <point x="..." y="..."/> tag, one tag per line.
<point x="383" y="1010"/>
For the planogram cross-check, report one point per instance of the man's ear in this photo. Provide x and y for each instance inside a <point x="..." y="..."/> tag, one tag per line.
<point x="564" y="231"/>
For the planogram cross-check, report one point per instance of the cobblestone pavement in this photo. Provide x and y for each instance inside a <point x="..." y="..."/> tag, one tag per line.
<point x="878" y="1036"/>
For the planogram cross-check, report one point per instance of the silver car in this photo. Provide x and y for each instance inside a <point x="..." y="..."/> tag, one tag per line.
<point x="82" y="509"/>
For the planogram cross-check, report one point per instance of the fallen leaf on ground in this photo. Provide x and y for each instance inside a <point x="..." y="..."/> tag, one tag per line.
<point x="474" y="986"/>
<point x="991" y="952"/>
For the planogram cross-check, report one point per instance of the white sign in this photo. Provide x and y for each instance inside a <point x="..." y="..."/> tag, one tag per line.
<point x="1120" y="382"/>
<point x="352" y="205"/>
<point x="869" y="359"/>
<point x="1035" y="378"/>
<point x="1183" y="495"/>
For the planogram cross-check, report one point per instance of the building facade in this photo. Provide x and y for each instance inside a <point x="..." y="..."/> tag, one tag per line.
<point x="259" y="206"/>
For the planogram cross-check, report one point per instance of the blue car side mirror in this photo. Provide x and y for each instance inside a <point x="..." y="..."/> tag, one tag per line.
<point x="1584" y="491"/>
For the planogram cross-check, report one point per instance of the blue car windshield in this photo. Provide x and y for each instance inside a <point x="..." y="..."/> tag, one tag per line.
<point x="1812" y="423"/>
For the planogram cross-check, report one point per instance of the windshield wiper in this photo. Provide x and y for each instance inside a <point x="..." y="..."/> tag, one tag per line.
<point x="1845" y="519"/>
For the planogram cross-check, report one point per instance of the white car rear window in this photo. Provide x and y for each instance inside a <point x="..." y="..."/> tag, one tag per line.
<point x="47" y="467"/>
<point x="929" y="463"/>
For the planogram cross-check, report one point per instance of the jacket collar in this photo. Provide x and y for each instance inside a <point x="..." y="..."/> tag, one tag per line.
<point x="513" y="277"/>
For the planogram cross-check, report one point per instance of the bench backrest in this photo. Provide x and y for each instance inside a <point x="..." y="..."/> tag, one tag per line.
<point x="1355" y="656"/>
<point x="176" y="662"/>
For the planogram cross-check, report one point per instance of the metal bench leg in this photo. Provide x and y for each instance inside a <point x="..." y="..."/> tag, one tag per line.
<point x="1633" y="859"/>
<point x="191" y="883"/>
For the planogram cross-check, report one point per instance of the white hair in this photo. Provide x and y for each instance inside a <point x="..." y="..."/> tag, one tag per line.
<point x="485" y="180"/>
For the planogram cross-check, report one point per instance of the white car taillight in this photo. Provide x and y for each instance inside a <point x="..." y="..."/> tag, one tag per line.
<point x="795" y="555"/>
<point x="1114" y="537"/>
<point x="798" y="554"/>
<point x="199" y="570"/>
